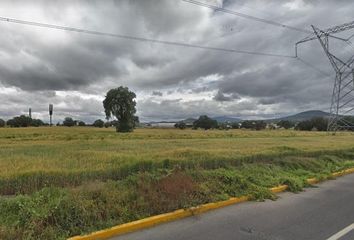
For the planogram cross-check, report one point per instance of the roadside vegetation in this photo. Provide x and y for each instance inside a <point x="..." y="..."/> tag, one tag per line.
<point x="59" y="182"/>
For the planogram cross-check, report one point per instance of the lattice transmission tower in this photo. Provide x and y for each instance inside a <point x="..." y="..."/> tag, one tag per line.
<point x="342" y="102"/>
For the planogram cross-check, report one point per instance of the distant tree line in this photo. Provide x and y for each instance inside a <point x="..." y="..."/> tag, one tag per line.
<point x="205" y="122"/>
<point x="314" y="124"/>
<point x="22" y="121"/>
<point x="320" y="124"/>
<point x="255" y="125"/>
<point x="181" y="125"/>
<point x="286" y="124"/>
<point x="119" y="105"/>
<point x="69" y="122"/>
<point x="25" y="121"/>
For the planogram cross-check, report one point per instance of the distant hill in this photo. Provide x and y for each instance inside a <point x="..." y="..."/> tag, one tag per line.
<point x="154" y="122"/>
<point x="223" y="119"/>
<point x="219" y="119"/>
<point x="307" y="115"/>
<point x="189" y="121"/>
<point x="302" y="116"/>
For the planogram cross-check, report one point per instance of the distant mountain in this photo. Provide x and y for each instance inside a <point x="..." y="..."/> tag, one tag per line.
<point x="307" y="115"/>
<point x="189" y="121"/>
<point x="223" y="119"/>
<point x="154" y="122"/>
<point x="220" y="119"/>
<point x="302" y="116"/>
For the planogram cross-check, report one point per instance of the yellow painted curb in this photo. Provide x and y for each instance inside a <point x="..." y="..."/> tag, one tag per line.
<point x="344" y="172"/>
<point x="182" y="213"/>
<point x="279" y="189"/>
<point x="131" y="226"/>
<point x="312" y="181"/>
<point x="211" y="206"/>
<point x="154" y="220"/>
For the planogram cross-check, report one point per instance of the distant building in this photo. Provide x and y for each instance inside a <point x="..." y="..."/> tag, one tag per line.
<point x="272" y="126"/>
<point x="162" y="124"/>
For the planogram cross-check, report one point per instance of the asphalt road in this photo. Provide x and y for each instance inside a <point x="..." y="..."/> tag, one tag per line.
<point x="323" y="213"/>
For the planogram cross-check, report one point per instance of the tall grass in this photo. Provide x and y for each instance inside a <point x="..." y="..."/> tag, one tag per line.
<point x="59" y="182"/>
<point x="57" y="213"/>
<point x="33" y="158"/>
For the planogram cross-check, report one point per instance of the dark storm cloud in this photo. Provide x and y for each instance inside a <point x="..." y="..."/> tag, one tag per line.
<point x="208" y="82"/>
<point x="157" y="93"/>
<point x="221" y="97"/>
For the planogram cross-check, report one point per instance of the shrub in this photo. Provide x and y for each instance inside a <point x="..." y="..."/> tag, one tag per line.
<point x="98" y="123"/>
<point x="2" y="123"/>
<point x="225" y="126"/>
<point x="68" y="122"/>
<point x="285" y="124"/>
<point x="37" y="123"/>
<point x="255" y="125"/>
<point x="81" y="124"/>
<point x="181" y="125"/>
<point x="235" y="125"/>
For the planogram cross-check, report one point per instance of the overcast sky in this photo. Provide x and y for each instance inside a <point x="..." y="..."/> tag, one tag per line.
<point x="73" y="71"/>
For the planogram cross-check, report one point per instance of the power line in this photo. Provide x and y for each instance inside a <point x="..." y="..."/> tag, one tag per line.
<point x="216" y="8"/>
<point x="242" y="5"/>
<point x="135" y="38"/>
<point x="350" y="37"/>
<point x="313" y="67"/>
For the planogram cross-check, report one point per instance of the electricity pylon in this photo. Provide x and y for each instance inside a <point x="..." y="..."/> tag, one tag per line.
<point x="342" y="103"/>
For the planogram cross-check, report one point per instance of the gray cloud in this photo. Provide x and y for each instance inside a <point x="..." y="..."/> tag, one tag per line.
<point x="157" y="93"/>
<point x="221" y="97"/>
<point x="38" y="66"/>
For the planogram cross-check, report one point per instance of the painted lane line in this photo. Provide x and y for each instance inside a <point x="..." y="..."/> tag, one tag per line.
<point x="341" y="233"/>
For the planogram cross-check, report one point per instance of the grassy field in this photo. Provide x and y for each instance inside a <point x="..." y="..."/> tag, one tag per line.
<point x="58" y="182"/>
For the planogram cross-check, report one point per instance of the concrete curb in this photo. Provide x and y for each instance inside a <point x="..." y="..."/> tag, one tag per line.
<point x="182" y="213"/>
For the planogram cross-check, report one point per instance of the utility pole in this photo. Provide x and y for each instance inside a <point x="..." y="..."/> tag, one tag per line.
<point x="30" y="113"/>
<point x="342" y="101"/>
<point x="50" y="114"/>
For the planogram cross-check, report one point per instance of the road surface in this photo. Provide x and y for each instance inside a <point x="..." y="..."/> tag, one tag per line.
<point x="323" y="213"/>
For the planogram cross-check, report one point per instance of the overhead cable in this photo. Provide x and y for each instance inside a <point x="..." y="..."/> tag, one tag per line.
<point x="313" y="67"/>
<point x="219" y="9"/>
<point x="141" y="39"/>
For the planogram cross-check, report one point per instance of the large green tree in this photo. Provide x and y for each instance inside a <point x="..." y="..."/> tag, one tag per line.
<point x="205" y="122"/>
<point x="120" y="103"/>
<point x="21" y="121"/>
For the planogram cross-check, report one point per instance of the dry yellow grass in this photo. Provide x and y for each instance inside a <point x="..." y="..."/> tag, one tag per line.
<point x="88" y="178"/>
<point x="89" y="149"/>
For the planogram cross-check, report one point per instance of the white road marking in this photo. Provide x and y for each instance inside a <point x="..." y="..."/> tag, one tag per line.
<point x="341" y="233"/>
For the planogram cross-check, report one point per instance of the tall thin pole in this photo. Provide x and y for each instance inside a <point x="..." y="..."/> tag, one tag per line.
<point x="50" y="114"/>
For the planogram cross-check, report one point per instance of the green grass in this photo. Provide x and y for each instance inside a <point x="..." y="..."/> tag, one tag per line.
<point x="59" y="182"/>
